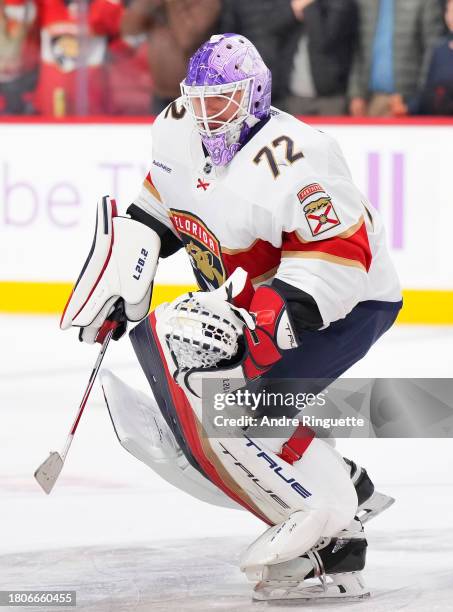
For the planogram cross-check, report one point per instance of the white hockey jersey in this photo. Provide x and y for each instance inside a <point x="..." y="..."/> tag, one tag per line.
<point x="285" y="207"/>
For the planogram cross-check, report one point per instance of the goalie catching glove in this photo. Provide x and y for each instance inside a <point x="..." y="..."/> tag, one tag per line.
<point x="204" y="329"/>
<point x="115" y="284"/>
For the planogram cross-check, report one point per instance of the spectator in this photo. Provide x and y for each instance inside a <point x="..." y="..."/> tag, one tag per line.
<point x="322" y="60"/>
<point x="396" y="39"/>
<point x="19" y="55"/>
<point x="175" y="28"/>
<point x="273" y="28"/>
<point x="437" y="95"/>
<point x="130" y="84"/>
<point x="74" y="41"/>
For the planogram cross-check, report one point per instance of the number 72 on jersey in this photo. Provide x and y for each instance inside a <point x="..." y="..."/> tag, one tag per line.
<point x="267" y="153"/>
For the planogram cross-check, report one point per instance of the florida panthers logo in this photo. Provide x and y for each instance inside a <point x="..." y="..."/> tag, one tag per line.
<point x="203" y="249"/>
<point x="66" y="51"/>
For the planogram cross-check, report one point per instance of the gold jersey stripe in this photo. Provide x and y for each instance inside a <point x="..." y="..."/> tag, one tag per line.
<point x="265" y="276"/>
<point x="352" y="230"/>
<point x="346" y="234"/>
<point x="153" y="191"/>
<point x="236" y="251"/>
<point x="342" y="261"/>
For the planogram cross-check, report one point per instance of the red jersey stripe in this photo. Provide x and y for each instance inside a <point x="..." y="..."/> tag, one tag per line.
<point x="260" y="259"/>
<point x="350" y="246"/>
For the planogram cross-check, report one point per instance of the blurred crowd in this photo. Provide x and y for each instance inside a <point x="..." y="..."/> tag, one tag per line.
<point x="376" y="58"/>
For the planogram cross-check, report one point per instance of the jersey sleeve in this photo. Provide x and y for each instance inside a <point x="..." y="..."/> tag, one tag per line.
<point x="325" y="249"/>
<point x="149" y="208"/>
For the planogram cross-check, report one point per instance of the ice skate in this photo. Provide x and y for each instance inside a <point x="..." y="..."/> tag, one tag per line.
<point x="371" y="502"/>
<point x="329" y="571"/>
<point x="335" y="587"/>
<point x="373" y="506"/>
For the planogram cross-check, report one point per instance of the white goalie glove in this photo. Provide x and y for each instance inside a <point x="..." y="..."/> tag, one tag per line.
<point x="117" y="277"/>
<point x="200" y="337"/>
<point x="204" y="329"/>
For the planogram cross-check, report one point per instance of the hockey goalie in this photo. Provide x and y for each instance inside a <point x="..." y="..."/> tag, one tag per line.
<point x="295" y="283"/>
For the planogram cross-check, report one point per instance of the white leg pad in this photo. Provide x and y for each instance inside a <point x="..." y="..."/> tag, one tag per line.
<point x="143" y="432"/>
<point x="285" y="541"/>
<point x="329" y="509"/>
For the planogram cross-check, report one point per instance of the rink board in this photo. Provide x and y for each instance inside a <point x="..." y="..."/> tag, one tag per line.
<point x="433" y="307"/>
<point x="52" y="173"/>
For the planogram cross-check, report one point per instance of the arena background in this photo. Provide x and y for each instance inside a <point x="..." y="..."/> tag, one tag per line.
<point x="112" y="530"/>
<point x="48" y="198"/>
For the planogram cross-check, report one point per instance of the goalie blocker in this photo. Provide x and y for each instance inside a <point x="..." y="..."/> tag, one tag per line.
<point x="120" y="268"/>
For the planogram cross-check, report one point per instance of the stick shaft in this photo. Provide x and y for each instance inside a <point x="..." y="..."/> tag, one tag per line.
<point x="86" y="395"/>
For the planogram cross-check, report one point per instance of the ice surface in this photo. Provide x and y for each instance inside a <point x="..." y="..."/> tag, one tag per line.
<point x="127" y="541"/>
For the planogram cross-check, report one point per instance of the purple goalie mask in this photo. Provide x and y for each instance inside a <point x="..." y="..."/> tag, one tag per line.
<point x="227" y="90"/>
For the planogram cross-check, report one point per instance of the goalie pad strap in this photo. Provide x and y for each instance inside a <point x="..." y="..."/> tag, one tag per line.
<point x="295" y="447"/>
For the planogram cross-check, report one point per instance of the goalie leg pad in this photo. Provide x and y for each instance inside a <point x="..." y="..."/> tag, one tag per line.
<point x="318" y="483"/>
<point x="138" y="422"/>
<point x="249" y="471"/>
<point x="143" y="432"/>
<point x="158" y="365"/>
<point x="146" y="347"/>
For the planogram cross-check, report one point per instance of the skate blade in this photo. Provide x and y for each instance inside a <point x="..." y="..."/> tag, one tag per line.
<point x="312" y="593"/>
<point x="312" y="599"/>
<point x="379" y="503"/>
<point x="47" y="473"/>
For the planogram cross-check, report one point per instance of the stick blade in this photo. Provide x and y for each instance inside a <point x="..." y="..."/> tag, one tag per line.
<point x="48" y="472"/>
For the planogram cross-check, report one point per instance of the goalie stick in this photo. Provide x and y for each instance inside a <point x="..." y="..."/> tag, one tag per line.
<point x="47" y="473"/>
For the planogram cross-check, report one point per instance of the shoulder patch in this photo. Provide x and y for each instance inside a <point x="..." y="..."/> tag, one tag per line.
<point x="319" y="210"/>
<point x="308" y="191"/>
